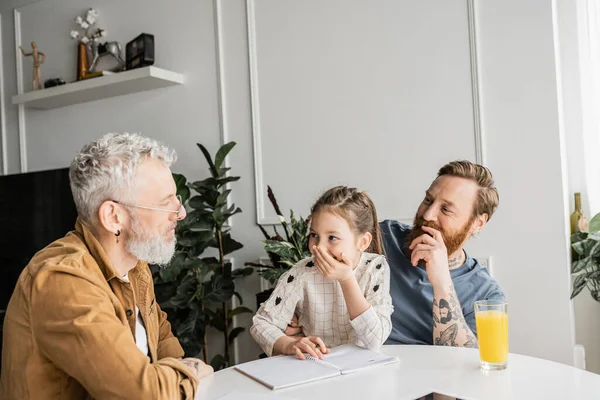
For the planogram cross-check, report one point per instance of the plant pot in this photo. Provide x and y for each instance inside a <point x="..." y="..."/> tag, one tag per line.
<point x="263" y="296"/>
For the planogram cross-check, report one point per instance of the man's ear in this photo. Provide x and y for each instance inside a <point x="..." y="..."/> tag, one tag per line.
<point x="479" y="223"/>
<point x="365" y="241"/>
<point x="111" y="217"/>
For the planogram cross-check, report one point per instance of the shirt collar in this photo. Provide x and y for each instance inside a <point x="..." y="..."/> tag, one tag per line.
<point x="98" y="253"/>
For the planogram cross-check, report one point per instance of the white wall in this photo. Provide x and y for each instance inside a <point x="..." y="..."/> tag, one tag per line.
<point x="377" y="95"/>
<point x="582" y="149"/>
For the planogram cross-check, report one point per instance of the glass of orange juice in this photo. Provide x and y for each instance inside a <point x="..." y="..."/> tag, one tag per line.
<point x="491" y="319"/>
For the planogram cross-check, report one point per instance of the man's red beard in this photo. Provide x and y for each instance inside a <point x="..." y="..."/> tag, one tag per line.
<point x="453" y="241"/>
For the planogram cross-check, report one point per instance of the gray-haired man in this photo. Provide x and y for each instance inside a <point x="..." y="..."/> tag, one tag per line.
<point x="83" y="319"/>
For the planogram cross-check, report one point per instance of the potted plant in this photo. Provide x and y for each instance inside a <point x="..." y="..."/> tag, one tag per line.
<point x="284" y="252"/>
<point x="197" y="288"/>
<point x="586" y="267"/>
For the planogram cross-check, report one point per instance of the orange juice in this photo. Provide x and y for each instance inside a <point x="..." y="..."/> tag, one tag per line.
<point x="492" y="333"/>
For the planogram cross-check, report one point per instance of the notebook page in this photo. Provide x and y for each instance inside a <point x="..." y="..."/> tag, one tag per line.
<point x="351" y="358"/>
<point x="284" y="371"/>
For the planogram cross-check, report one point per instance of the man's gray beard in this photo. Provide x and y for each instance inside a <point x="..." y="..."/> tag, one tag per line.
<point x="148" y="246"/>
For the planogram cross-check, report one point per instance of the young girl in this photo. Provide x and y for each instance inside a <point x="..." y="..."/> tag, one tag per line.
<point x="341" y="293"/>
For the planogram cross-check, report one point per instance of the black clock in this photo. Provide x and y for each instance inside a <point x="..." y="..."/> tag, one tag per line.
<point x="139" y="52"/>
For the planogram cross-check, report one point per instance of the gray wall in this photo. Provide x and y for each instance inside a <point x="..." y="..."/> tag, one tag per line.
<point x="377" y="95"/>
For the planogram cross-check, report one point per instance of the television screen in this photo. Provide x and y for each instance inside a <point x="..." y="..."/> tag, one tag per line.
<point x="36" y="208"/>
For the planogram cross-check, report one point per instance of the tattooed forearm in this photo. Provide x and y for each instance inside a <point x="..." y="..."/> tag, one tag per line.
<point x="447" y="337"/>
<point x="449" y="325"/>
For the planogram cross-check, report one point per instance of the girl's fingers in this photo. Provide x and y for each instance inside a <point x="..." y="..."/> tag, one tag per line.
<point x="309" y="348"/>
<point x="327" y="257"/>
<point x="320" y="268"/>
<point x="319" y="342"/>
<point x="318" y="256"/>
<point x="299" y="353"/>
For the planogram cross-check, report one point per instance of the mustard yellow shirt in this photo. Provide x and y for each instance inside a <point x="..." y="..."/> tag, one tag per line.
<point x="69" y="330"/>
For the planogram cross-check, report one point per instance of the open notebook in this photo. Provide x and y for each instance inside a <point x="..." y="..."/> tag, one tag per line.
<point x="283" y="371"/>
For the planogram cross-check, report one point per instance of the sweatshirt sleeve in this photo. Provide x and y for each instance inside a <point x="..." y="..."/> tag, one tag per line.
<point x="374" y="325"/>
<point x="275" y="314"/>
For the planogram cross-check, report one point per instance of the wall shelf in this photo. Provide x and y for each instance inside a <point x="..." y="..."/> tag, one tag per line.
<point x="136" y="80"/>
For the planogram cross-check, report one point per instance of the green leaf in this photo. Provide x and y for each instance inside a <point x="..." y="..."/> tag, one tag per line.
<point x="585" y="247"/>
<point x="218" y="362"/>
<point x="189" y="325"/>
<point x="193" y="264"/>
<point x="203" y="184"/>
<point x="185" y="292"/>
<point x="222" y="199"/>
<point x="211" y="165"/>
<point x="579" y="265"/>
<point x="210" y="260"/>
<point x="578" y="248"/>
<point x="221" y="217"/>
<point x="219" y="289"/>
<point x="595" y="224"/>
<point x="231" y="211"/>
<point x="202" y="246"/>
<point x="172" y="271"/>
<point x="239" y="310"/>
<point x="235" y="332"/>
<point x="578" y="285"/>
<point x="239" y="297"/>
<point x="209" y="195"/>
<point x="594" y="275"/>
<point x="182" y="189"/>
<point x="226" y="180"/>
<point x="198" y="215"/>
<point x="223" y="171"/>
<point x="243" y="272"/>
<point x="272" y="274"/>
<point x="283" y="249"/>
<point x="210" y="268"/>
<point x="197" y="202"/>
<point x="230" y="245"/>
<point x="222" y="153"/>
<point x="202" y="225"/>
<point x="195" y="238"/>
<point x="578" y="236"/>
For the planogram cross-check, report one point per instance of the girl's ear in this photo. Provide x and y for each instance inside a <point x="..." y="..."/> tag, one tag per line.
<point x="364" y="241"/>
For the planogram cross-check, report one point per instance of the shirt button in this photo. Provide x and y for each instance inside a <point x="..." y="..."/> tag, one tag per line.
<point x="129" y="313"/>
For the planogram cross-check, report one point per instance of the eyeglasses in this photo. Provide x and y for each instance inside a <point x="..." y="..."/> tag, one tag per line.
<point x="155" y="208"/>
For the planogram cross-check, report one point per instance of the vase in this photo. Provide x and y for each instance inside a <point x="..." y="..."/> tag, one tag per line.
<point x="82" y="61"/>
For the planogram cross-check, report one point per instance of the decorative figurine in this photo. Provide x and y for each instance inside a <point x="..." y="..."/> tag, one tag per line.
<point x="90" y="41"/>
<point x="38" y="59"/>
<point x="105" y="49"/>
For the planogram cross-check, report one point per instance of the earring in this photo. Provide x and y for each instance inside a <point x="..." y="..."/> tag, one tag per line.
<point x="118" y="234"/>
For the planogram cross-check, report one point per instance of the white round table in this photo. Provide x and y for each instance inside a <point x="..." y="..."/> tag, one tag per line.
<point x="424" y="369"/>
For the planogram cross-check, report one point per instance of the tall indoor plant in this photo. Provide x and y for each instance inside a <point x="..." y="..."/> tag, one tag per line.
<point x="196" y="288"/>
<point x="284" y="252"/>
<point x="586" y="267"/>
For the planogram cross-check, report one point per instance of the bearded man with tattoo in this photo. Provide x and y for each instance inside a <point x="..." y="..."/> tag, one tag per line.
<point x="434" y="282"/>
